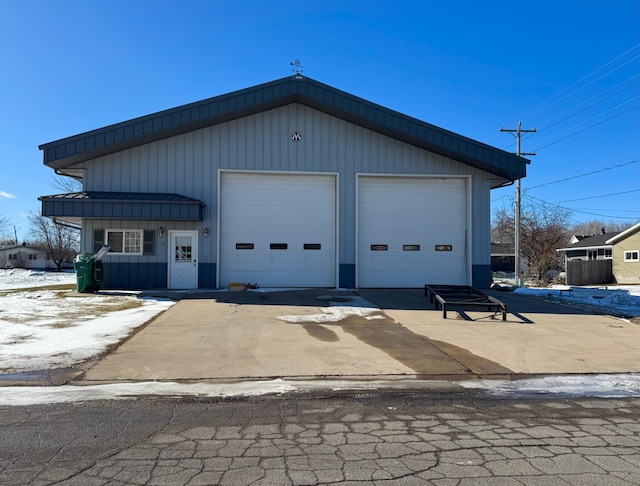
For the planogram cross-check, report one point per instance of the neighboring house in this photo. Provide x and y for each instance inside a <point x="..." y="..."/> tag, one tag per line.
<point x="23" y="256"/>
<point x="589" y="260"/>
<point x="626" y="255"/>
<point x="503" y="257"/>
<point x="577" y="238"/>
<point x="589" y="248"/>
<point x="291" y="183"/>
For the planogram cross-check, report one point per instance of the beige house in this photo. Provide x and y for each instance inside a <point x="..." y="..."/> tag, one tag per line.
<point x="626" y="255"/>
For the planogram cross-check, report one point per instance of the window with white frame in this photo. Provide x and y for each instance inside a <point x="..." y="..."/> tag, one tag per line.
<point x="124" y="242"/>
<point x="608" y="254"/>
<point x="632" y="256"/>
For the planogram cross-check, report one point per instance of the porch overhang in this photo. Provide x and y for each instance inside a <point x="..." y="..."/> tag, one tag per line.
<point x="75" y="206"/>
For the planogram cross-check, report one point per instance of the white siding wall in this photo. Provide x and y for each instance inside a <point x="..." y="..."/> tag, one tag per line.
<point x="188" y="165"/>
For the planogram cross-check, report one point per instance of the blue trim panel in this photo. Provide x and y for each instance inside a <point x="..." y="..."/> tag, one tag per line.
<point x="114" y="209"/>
<point x="481" y="276"/>
<point x="207" y="275"/>
<point x="347" y="276"/>
<point x="134" y="276"/>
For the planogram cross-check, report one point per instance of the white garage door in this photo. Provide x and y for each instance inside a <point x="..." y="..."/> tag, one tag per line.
<point x="411" y="231"/>
<point x="278" y="230"/>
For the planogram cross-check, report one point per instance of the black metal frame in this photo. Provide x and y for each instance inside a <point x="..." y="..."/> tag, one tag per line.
<point x="463" y="296"/>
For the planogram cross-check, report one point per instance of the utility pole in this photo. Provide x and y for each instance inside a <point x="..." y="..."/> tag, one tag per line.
<point x="517" y="132"/>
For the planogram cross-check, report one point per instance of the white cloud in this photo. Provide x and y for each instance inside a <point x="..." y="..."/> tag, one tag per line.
<point x="6" y="195"/>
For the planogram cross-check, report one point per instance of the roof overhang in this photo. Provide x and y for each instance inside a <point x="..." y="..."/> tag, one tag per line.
<point x="73" y="150"/>
<point x="580" y="248"/>
<point x="76" y="206"/>
<point x="625" y="234"/>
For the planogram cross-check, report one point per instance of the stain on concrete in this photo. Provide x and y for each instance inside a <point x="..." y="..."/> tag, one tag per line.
<point x="320" y="332"/>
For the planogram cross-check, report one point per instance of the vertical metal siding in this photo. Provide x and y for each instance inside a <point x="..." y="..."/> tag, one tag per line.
<point x="187" y="164"/>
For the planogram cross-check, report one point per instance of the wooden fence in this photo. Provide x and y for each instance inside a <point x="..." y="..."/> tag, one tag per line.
<point x="591" y="272"/>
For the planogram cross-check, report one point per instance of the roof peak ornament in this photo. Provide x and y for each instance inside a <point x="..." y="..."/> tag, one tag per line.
<point x="297" y="68"/>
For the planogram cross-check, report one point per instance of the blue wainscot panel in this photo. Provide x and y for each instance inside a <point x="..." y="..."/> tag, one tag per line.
<point x="135" y="276"/>
<point x="347" y="276"/>
<point x="207" y="275"/>
<point x="481" y="276"/>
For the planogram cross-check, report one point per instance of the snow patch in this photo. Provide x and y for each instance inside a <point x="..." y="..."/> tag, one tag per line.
<point x="339" y="308"/>
<point x="620" y="299"/>
<point x="618" y="385"/>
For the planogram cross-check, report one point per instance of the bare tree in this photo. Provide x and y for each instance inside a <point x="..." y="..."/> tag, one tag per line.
<point x="543" y="229"/>
<point x="60" y="242"/>
<point x="66" y="183"/>
<point x="4" y="224"/>
<point x="589" y="228"/>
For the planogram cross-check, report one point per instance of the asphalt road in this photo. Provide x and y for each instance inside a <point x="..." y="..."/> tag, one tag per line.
<point x="381" y="438"/>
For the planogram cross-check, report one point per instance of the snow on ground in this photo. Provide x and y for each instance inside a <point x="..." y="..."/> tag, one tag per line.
<point x="43" y="328"/>
<point x="619" y="300"/>
<point x="609" y="386"/>
<point x="618" y="385"/>
<point x="17" y="278"/>
<point x="339" y="308"/>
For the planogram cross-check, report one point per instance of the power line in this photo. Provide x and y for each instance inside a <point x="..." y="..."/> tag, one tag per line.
<point x="529" y="114"/>
<point x="575" y="113"/>
<point x="588" y="106"/>
<point x="598" y="197"/>
<point x="584" y="175"/>
<point x="574" y="210"/>
<point x="591" y="126"/>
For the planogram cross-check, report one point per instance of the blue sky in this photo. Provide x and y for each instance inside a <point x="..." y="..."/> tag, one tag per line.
<point x="570" y="68"/>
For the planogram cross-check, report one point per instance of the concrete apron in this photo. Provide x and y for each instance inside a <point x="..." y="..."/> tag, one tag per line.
<point x="229" y="336"/>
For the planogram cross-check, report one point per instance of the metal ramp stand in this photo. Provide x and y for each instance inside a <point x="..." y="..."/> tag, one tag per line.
<point x="463" y="296"/>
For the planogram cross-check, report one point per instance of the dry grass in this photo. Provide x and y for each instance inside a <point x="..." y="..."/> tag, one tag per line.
<point x="4" y="293"/>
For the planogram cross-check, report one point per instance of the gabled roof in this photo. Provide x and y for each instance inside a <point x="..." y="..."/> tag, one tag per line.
<point x="21" y="247"/>
<point x="64" y="153"/>
<point x="591" y="243"/>
<point x="623" y="234"/>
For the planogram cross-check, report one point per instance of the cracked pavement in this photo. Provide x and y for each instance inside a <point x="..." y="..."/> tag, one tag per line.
<point x="370" y="438"/>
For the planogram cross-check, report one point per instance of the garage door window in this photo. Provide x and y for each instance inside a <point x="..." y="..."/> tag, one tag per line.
<point x="410" y="247"/>
<point x="278" y="246"/>
<point x="379" y="247"/>
<point x="244" y="246"/>
<point x="312" y="246"/>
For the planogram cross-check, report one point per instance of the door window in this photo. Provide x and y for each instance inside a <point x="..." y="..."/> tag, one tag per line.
<point x="183" y="249"/>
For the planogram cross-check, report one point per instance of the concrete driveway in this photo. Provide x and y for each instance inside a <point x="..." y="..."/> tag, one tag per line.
<point x="365" y="334"/>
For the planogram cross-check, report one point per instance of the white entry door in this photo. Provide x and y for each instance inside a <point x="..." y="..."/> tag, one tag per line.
<point x="183" y="259"/>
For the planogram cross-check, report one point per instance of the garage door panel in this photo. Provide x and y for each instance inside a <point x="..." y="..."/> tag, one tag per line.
<point x="422" y="212"/>
<point x="290" y="209"/>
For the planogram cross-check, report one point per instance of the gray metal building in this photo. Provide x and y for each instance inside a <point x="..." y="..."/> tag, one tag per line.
<point x="291" y="183"/>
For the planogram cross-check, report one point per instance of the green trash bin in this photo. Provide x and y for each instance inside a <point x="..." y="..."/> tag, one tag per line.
<point x="89" y="270"/>
<point x="84" y="267"/>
